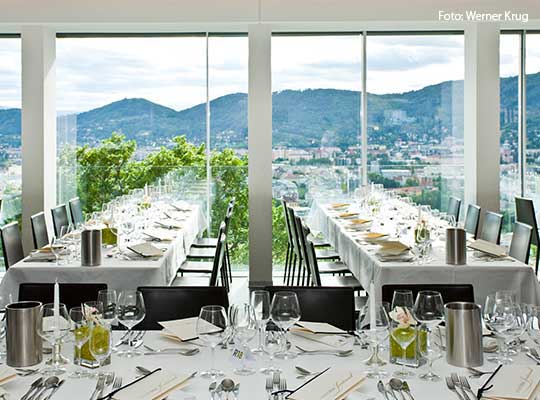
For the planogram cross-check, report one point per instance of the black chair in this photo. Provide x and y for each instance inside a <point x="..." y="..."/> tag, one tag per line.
<point x="11" y="244"/>
<point x="169" y="303"/>
<point x="211" y="242"/>
<point x="75" y="208"/>
<point x="520" y="246"/>
<point x="39" y="230"/>
<point x="454" y="205"/>
<point x="289" y="256"/>
<point x="491" y="227"/>
<point x="321" y="304"/>
<point x="472" y="219"/>
<point x="449" y="292"/>
<point x="71" y="294"/>
<point x="526" y="215"/>
<point x="60" y="219"/>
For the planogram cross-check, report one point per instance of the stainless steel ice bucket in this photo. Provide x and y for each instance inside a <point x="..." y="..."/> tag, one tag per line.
<point x="456" y="246"/>
<point x="464" y="334"/>
<point x="91" y="247"/>
<point x="23" y="344"/>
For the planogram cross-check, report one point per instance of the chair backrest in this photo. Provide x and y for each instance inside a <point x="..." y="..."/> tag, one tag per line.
<point x="491" y="227"/>
<point x="39" y="230"/>
<point x="472" y="219"/>
<point x="219" y="258"/>
<point x="11" y="244"/>
<point x="287" y="222"/>
<point x="454" y="205"/>
<point x="312" y="264"/>
<point x="302" y="232"/>
<point x="449" y="292"/>
<point x="526" y="215"/>
<point x="294" y="233"/>
<point x="166" y="303"/>
<point x="71" y="294"/>
<point x="75" y="209"/>
<point x="60" y="218"/>
<point x="321" y="304"/>
<point x="520" y="246"/>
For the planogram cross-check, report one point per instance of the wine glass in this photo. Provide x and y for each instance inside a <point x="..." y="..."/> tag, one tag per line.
<point x="429" y="310"/>
<point x="245" y="329"/>
<point x="108" y="299"/>
<point x="533" y="325"/>
<point x="81" y="334"/>
<point x="499" y="317"/>
<point x="56" y="249"/>
<point x="402" y="298"/>
<point x="376" y="329"/>
<point x="211" y="326"/>
<point x="273" y="343"/>
<point x="100" y="343"/>
<point x="403" y="331"/>
<point x="53" y="325"/>
<point x="517" y="329"/>
<point x="260" y="301"/>
<point x="285" y="312"/>
<point x="130" y="311"/>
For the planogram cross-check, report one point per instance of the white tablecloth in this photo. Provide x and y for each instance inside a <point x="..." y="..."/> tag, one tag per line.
<point x="486" y="276"/>
<point x="251" y="387"/>
<point x="117" y="273"/>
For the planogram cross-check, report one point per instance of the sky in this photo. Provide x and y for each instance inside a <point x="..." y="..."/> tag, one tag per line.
<point x="92" y="72"/>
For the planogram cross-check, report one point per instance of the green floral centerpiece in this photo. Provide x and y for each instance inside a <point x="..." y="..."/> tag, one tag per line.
<point x="405" y="333"/>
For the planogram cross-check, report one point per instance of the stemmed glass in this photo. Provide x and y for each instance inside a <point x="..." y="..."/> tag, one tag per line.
<point x="260" y="301"/>
<point x="499" y="317"/>
<point x="100" y="343"/>
<point x="403" y="331"/>
<point x="376" y="334"/>
<point x="109" y="300"/>
<point x="533" y="325"/>
<point x="402" y="298"/>
<point x="245" y="329"/>
<point x="211" y="326"/>
<point x="81" y="334"/>
<point x="130" y="311"/>
<point x="429" y="310"/>
<point x="285" y="312"/>
<point x="56" y="249"/>
<point x="273" y="342"/>
<point x="53" y="328"/>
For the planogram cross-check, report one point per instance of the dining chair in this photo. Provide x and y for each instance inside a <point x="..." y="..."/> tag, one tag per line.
<point x="525" y="213"/>
<point x="323" y="304"/>
<point x="491" y="227"/>
<point x="167" y="303"/>
<point x="289" y="252"/>
<point x="40" y="233"/>
<point x="454" y="206"/>
<point x="71" y="294"/>
<point x="60" y="219"/>
<point x="472" y="219"/>
<point x="75" y="209"/>
<point x="520" y="246"/>
<point x="12" y="247"/>
<point x="201" y="267"/>
<point x="449" y="292"/>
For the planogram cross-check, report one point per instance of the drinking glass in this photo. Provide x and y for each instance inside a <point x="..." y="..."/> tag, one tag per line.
<point x="499" y="317"/>
<point x="56" y="249"/>
<point x="53" y="326"/>
<point x="273" y="343"/>
<point x="109" y="300"/>
<point x="260" y="301"/>
<point x="100" y="343"/>
<point x="515" y="330"/>
<point x="402" y="298"/>
<point x="533" y="326"/>
<point x="429" y="311"/>
<point x="285" y="312"/>
<point x="81" y="334"/>
<point x="130" y="311"/>
<point x="211" y="326"/>
<point x="376" y="334"/>
<point x="403" y="335"/>
<point x="245" y="329"/>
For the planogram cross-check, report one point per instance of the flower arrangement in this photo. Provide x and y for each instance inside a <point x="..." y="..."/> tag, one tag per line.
<point x="403" y="316"/>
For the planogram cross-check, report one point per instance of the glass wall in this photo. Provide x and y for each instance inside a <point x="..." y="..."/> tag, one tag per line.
<point x="532" y="68"/>
<point x="132" y="111"/>
<point x="415" y="115"/>
<point x="316" y="84"/>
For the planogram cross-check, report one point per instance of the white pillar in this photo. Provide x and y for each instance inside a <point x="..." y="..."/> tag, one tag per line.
<point x="482" y="131"/>
<point x="260" y="155"/>
<point x="38" y="125"/>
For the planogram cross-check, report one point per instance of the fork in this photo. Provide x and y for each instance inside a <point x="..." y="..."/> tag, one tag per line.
<point x="269" y="387"/>
<point x="452" y="387"/>
<point x="99" y="387"/>
<point x="457" y="384"/>
<point x="476" y="373"/>
<point x="117" y="383"/>
<point x="466" y="386"/>
<point x="282" y="387"/>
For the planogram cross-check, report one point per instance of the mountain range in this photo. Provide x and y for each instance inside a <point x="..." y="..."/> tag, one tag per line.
<point x="301" y="118"/>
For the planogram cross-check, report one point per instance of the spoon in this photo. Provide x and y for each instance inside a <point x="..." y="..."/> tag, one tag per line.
<point x="227" y="385"/>
<point x="391" y="391"/>
<point x="212" y="390"/>
<point x="380" y="387"/>
<point x="407" y="390"/>
<point x="35" y="385"/>
<point x="397" y="385"/>
<point x="55" y="389"/>
<point x="50" y="383"/>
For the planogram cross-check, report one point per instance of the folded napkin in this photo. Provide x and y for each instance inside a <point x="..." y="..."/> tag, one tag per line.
<point x="155" y="386"/>
<point x="488" y="248"/>
<point x="169" y="224"/>
<point x="48" y="248"/>
<point x="163" y="235"/>
<point x="515" y="382"/>
<point x="38" y="256"/>
<point x="332" y="384"/>
<point x="392" y="248"/>
<point x="146" y="250"/>
<point x="185" y="329"/>
<point x="359" y="221"/>
<point x="318" y="327"/>
<point x="336" y="206"/>
<point x="348" y="215"/>
<point x="314" y="341"/>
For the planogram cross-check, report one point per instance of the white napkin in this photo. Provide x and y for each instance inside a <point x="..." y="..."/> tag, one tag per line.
<point x="318" y="327"/>
<point x="515" y="382"/>
<point x="146" y="250"/>
<point x="185" y="329"/>
<point x="313" y="342"/>
<point x="163" y="235"/>
<point x="488" y="248"/>
<point x="332" y="384"/>
<point x="38" y="256"/>
<point x="153" y="387"/>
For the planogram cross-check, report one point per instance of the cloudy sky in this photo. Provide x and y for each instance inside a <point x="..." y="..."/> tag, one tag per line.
<point x="171" y="71"/>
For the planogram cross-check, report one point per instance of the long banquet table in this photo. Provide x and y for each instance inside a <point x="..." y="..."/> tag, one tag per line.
<point x="117" y="273"/>
<point x="487" y="276"/>
<point x="251" y="387"/>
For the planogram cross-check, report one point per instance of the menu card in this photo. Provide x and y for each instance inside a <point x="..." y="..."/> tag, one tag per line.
<point x="146" y="250"/>
<point x="332" y="384"/>
<point x="317" y="328"/>
<point x="38" y="256"/>
<point x="488" y="247"/>
<point x="516" y="382"/>
<point x="185" y="329"/>
<point x="156" y="386"/>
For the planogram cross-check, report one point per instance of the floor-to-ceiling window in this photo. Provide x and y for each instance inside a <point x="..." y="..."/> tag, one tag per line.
<point x="415" y="115"/>
<point x="133" y="110"/>
<point x="532" y="109"/>
<point x="316" y="146"/>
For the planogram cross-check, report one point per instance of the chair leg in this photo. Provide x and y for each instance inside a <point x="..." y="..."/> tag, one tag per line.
<point x="228" y="260"/>
<point x="300" y="267"/>
<point x="290" y="278"/>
